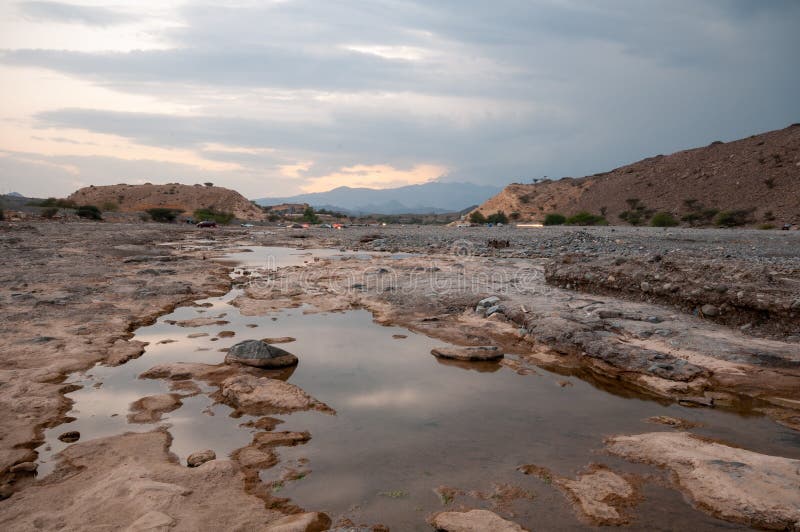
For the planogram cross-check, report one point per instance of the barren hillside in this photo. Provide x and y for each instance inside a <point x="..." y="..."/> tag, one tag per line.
<point x="187" y="198"/>
<point x="760" y="174"/>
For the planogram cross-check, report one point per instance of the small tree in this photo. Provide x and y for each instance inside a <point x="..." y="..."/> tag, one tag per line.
<point x="209" y="184"/>
<point x="498" y="217"/>
<point x="89" y="212"/>
<point x="49" y="212"/>
<point x="477" y="217"/>
<point x="310" y="216"/>
<point x="733" y="218"/>
<point x="554" y="219"/>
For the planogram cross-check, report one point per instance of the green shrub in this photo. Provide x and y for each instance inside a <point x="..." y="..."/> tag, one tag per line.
<point x="586" y="218"/>
<point x="49" y="212"/>
<point x="554" y="219"/>
<point x="477" y="217"/>
<point x="53" y="202"/>
<point x="637" y="214"/>
<point x="310" y="216"/>
<point x="90" y="212"/>
<point x="733" y="218"/>
<point x="497" y="218"/>
<point x="163" y="215"/>
<point x="663" y="219"/>
<point x="214" y="215"/>
<point x="514" y="215"/>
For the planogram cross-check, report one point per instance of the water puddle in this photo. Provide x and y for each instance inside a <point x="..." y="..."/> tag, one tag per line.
<point x="407" y="423"/>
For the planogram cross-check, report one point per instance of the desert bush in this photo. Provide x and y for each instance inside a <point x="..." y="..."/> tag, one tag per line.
<point x="90" y="212"/>
<point x="477" y="217"/>
<point x="273" y="217"/>
<point x="514" y="215"/>
<point x="555" y="219"/>
<point x="663" y="219"/>
<point x="733" y="218"/>
<point x="49" y="212"/>
<point x="498" y="217"/>
<point x="160" y="214"/>
<point x="586" y="218"/>
<point x="53" y="202"/>
<point x="212" y="214"/>
<point x="637" y="213"/>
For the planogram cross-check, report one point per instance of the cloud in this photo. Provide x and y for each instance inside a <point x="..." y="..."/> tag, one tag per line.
<point x="302" y="95"/>
<point x="73" y="14"/>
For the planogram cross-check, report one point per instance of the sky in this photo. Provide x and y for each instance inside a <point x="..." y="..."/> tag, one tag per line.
<point x="274" y="98"/>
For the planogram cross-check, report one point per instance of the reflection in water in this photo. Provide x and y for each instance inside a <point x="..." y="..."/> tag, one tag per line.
<point x="407" y="422"/>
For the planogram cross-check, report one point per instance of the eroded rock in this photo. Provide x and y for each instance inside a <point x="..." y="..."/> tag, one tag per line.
<point x="731" y="483"/>
<point x="150" y="409"/>
<point x="201" y="457"/>
<point x="468" y="354"/>
<point x="263" y="396"/>
<point x="259" y="354"/>
<point x="473" y="521"/>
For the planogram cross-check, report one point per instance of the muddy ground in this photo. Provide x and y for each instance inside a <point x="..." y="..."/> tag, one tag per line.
<point x="708" y="318"/>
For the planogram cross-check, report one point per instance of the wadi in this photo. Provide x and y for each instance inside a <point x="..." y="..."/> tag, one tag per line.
<point x="159" y="375"/>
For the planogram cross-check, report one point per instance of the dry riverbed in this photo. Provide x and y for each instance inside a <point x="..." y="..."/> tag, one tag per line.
<point x="74" y="293"/>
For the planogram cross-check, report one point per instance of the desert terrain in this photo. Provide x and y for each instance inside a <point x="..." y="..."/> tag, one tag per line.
<point x="700" y="328"/>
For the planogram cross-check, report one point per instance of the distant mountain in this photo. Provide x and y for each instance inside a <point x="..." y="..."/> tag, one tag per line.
<point x="15" y="194"/>
<point x="430" y="198"/>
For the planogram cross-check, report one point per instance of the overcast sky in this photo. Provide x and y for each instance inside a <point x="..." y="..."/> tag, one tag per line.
<point x="288" y="96"/>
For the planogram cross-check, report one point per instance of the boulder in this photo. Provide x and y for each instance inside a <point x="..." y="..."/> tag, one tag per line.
<point x="468" y="354"/>
<point x="264" y="396"/>
<point x="473" y="521"/>
<point x="259" y="354"/>
<point x="70" y="436"/>
<point x="307" y="522"/>
<point x="200" y="458"/>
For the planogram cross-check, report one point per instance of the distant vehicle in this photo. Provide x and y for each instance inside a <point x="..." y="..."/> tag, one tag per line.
<point x="325" y="226"/>
<point x="248" y="225"/>
<point x="207" y="223"/>
<point x="296" y="226"/>
<point x="786" y="227"/>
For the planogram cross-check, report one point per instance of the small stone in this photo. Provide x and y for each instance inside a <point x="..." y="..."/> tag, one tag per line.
<point x="497" y="309"/>
<point x="645" y="286"/>
<point x="468" y="354"/>
<point x="70" y="436"/>
<point x="709" y="310"/>
<point x="201" y="457"/>
<point x="473" y="521"/>
<point x="489" y="302"/>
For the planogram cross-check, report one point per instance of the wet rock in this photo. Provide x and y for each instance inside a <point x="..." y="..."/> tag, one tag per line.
<point x="473" y="521"/>
<point x="263" y="396"/>
<point x="280" y="439"/>
<point x="707" y="402"/>
<point x="259" y="354"/>
<point x="252" y="458"/>
<point x="731" y="483"/>
<point x="200" y="458"/>
<point x="709" y="310"/>
<point x="497" y="309"/>
<point x="489" y="302"/>
<point x="599" y="495"/>
<point x="24" y="467"/>
<point x="150" y="409"/>
<point x="307" y="522"/>
<point x="279" y="340"/>
<point x="676" y="422"/>
<point x="468" y="354"/>
<point x="226" y="334"/>
<point x="70" y="436"/>
<point x="201" y="322"/>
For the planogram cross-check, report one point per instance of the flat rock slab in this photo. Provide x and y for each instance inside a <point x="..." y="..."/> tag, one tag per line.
<point x="733" y="484"/>
<point x="468" y="354"/>
<point x="263" y="396"/>
<point x="473" y="521"/>
<point x="307" y="522"/>
<point x="259" y="354"/>
<point x="150" y="409"/>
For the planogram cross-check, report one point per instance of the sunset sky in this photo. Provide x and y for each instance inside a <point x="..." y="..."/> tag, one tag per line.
<point x="287" y="96"/>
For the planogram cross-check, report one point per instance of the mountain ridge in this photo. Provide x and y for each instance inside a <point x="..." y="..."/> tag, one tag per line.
<point x="428" y="198"/>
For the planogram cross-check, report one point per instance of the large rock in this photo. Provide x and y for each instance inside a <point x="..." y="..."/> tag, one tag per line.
<point x="473" y="521"/>
<point x="200" y="457"/>
<point x="259" y="354"/>
<point x="307" y="522"/>
<point x="734" y="484"/>
<point x="468" y="354"/>
<point x="263" y="396"/>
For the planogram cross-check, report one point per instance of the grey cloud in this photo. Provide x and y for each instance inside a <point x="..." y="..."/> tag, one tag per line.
<point x="73" y="14"/>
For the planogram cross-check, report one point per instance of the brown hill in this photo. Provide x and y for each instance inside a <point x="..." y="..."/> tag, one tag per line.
<point x="759" y="174"/>
<point x="187" y="198"/>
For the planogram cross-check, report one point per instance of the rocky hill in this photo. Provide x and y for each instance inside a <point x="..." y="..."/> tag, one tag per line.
<point x="759" y="175"/>
<point x="187" y="198"/>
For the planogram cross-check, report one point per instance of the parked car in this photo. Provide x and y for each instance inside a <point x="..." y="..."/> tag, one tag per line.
<point x="207" y="223"/>
<point x="325" y="226"/>
<point x="248" y="225"/>
<point x="295" y="226"/>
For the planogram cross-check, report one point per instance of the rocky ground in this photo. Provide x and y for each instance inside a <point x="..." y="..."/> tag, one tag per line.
<point x="72" y="293"/>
